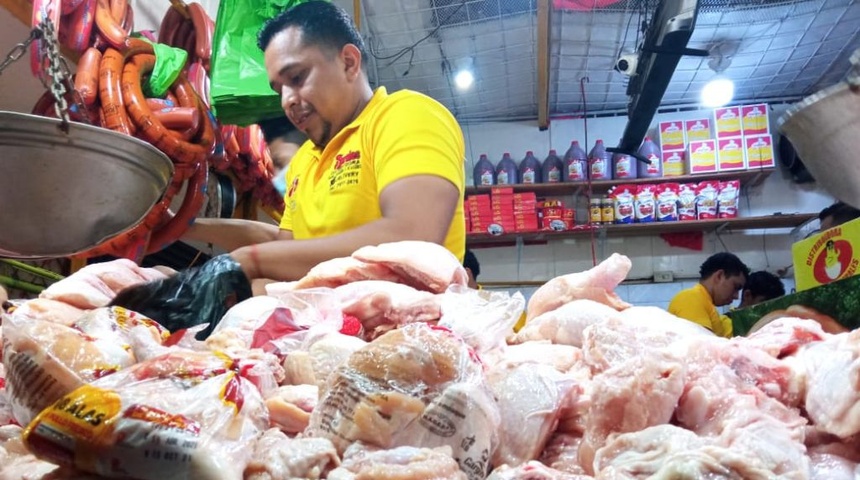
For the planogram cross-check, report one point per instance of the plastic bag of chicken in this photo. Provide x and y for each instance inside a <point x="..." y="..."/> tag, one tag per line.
<point x="46" y="360"/>
<point x="419" y="386"/>
<point x="181" y="416"/>
<point x="277" y="325"/>
<point x="482" y="317"/>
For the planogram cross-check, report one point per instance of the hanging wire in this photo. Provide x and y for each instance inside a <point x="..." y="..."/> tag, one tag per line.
<point x="411" y="48"/>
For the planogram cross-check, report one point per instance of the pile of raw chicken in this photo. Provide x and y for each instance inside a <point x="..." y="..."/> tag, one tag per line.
<point x="384" y="365"/>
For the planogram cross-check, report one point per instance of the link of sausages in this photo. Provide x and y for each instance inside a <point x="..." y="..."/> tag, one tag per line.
<point x="151" y="129"/>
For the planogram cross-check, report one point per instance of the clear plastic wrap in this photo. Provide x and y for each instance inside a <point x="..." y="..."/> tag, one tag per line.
<point x="482" y="317"/>
<point x="418" y="385"/>
<point x="180" y="416"/>
<point x="45" y="361"/>
<point x="277" y="325"/>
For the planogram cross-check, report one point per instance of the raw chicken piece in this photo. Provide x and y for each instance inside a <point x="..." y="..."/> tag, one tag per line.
<point x="401" y="463"/>
<point x="49" y="311"/>
<point x="530" y="398"/>
<point x="290" y="407"/>
<point x="564" y="325"/>
<point x="323" y="356"/>
<point x="560" y="357"/>
<point x="784" y="336"/>
<point x="117" y="274"/>
<point x="722" y="402"/>
<point x="596" y="284"/>
<point x="83" y="290"/>
<point x="670" y="452"/>
<point x="832" y="370"/>
<point x="47" y="360"/>
<point x="660" y="320"/>
<point x="533" y="471"/>
<point x="198" y="417"/>
<point x="613" y="342"/>
<point x="277" y="457"/>
<point x="825" y="466"/>
<point x="341" y="271"/>
<point x="376" y="303"/>
<point x="423" y="265"/>
<point x="562" y="453"/>
<point x="411" y="386"/>
<point x="655" y="379"/>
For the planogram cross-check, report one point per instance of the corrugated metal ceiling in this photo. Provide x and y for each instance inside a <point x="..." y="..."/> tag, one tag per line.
<point x="774" y="50"/>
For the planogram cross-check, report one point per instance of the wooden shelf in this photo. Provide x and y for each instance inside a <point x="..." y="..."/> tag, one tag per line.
<point x="748" y="178"/>
<point x="651" y="228"/>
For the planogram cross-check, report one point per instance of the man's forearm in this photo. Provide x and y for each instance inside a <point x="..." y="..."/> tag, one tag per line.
<point x="231" y="233"/>
<point x="291" y="259"/>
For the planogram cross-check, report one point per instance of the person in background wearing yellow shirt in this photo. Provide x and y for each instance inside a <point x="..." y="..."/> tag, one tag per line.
<point x="721" y="279"/>
<point x="377" y="168"/>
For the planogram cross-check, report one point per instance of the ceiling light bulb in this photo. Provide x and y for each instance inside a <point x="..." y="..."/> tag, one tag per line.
<point x="718" y="92"/>
<point x="464" y="79"/>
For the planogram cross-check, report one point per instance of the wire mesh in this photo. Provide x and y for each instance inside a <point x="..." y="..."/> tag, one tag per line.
<point x="775" y="50"/>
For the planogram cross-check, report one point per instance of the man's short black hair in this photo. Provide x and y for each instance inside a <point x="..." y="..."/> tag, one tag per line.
<point x="470" y="261"/>
<point x="276" y="127"/>
<point x="764" y="284"/>
<point x="841" y="212"/>
<point x="322" y="23"/>
<point x="725" y="261"/>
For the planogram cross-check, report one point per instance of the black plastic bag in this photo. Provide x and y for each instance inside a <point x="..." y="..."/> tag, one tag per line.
<point x="191" y="297"/>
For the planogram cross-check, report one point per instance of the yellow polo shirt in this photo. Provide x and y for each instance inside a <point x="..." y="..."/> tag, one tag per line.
<point x="695" y="304"/>
<point x="337" y="189"/>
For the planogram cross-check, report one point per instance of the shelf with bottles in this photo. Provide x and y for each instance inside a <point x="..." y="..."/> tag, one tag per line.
<point x="748" y="178"/>
<point x="775" y="221"/>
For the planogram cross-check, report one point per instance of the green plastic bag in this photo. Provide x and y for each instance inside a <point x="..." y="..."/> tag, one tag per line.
<point x="240" y="87"/>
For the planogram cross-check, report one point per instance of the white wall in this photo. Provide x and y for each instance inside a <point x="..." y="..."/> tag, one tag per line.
<point x="759" y="249"/>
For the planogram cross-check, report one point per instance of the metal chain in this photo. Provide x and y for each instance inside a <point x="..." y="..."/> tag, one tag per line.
<point x="19" y="50"/>
<point x="57" y="71"/>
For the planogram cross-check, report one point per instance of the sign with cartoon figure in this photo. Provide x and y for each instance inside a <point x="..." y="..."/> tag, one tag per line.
<point x="829" y="256"/>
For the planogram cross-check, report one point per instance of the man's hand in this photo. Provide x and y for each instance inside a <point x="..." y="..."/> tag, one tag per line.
<point x="191" y="297"/>
<point x="233" y="233"/>
<point x="420" y="207"/>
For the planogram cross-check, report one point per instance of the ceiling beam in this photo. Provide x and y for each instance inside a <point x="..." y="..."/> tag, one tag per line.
<point x="543" y="39"/>
<point x="23" y="11"/>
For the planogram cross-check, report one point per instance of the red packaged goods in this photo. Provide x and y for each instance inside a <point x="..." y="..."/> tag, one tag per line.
<point x="569" y="214"/>
<point x="687" y="201"/>
<point x="706" y="199"/>
<point x="518" y="197"/>
<point x="553" y="212"/>
<point x="645" y="203"/>
<point x="495" y="191"/>
<point x="624" y="196"/>
<point x="727" y="200"/>
<point x="667" y="202"/>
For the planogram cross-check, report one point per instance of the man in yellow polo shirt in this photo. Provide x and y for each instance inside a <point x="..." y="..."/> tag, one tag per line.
<point x="377" y="168"/>
<point x="721" y="279"/>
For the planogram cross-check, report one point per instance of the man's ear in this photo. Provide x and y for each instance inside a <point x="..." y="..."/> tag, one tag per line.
<point x="351" y="57"/>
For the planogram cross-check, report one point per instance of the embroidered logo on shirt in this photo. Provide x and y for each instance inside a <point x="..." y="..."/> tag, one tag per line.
<point x="293" y="187"/>
<point x="341" y="160"/>
<point x="345" y="171"/>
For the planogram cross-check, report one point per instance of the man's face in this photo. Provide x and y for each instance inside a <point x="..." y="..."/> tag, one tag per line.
<point x="311" y="82"/>
<point x="727" y="288"/>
